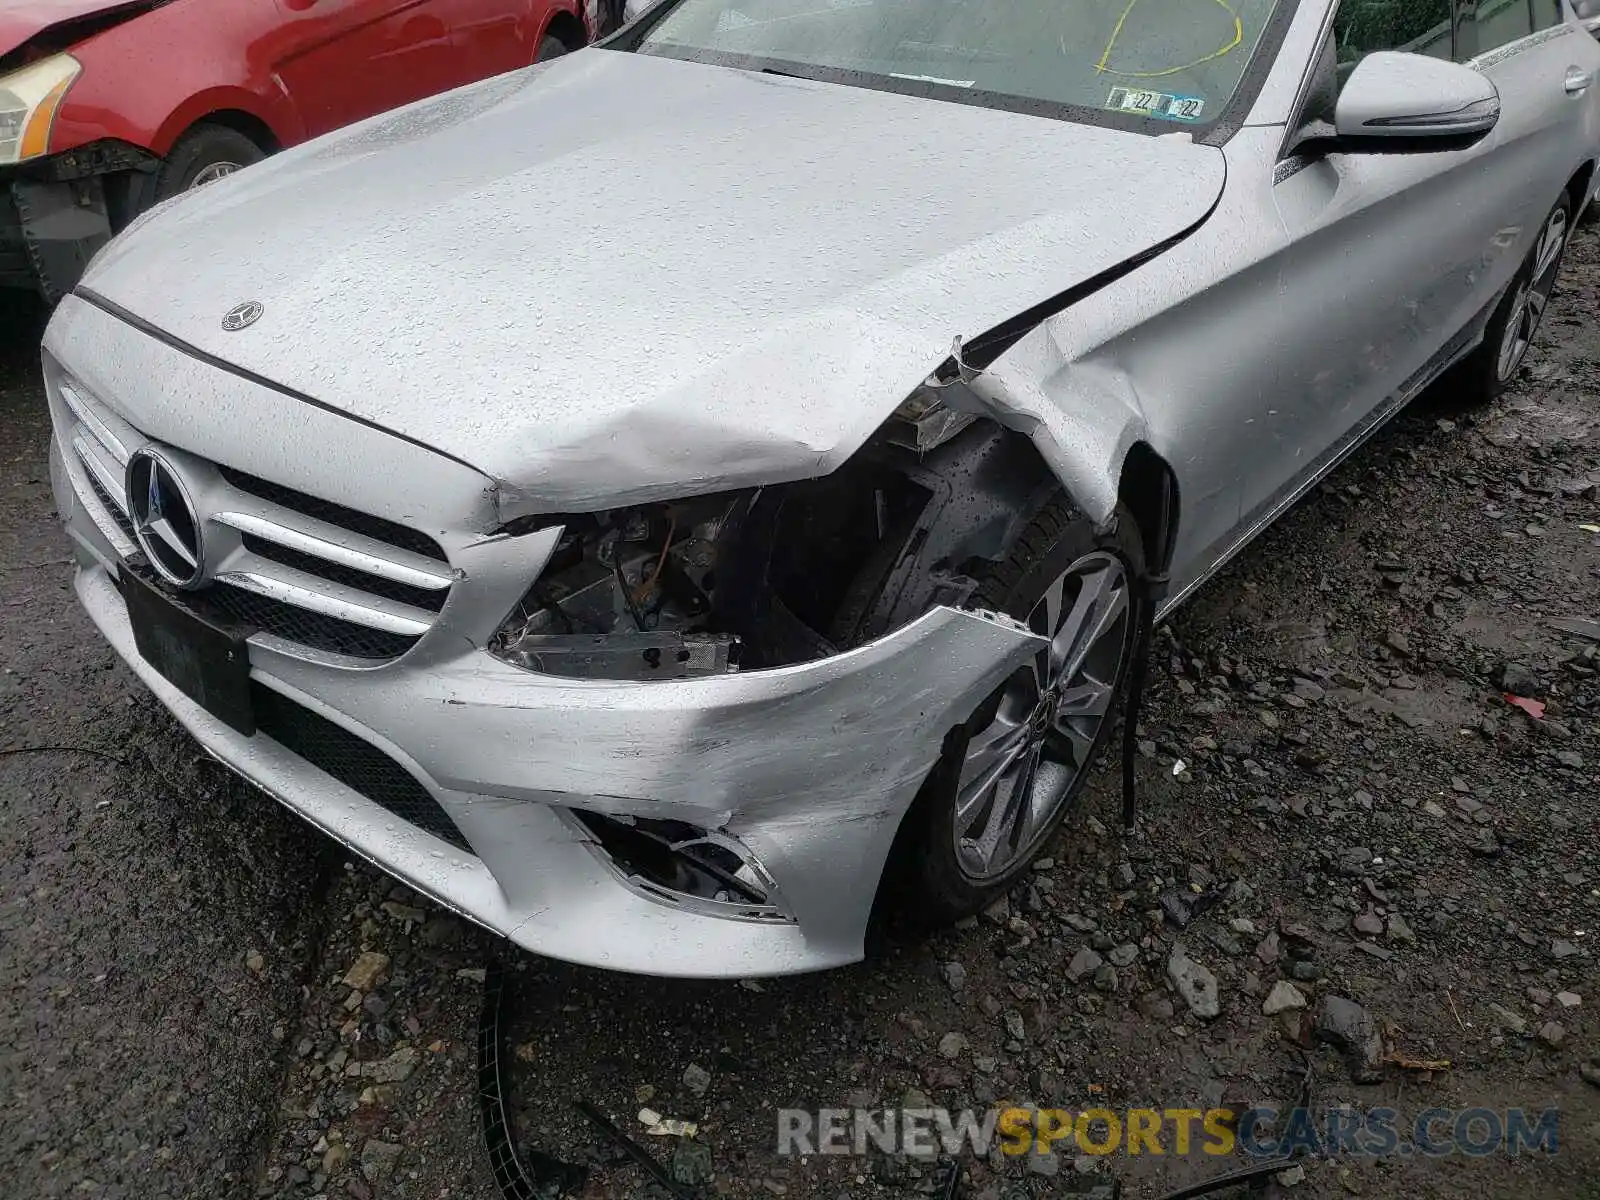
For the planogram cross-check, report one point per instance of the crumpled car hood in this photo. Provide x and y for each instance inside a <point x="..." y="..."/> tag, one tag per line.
<point x="621" y="278"/>
<point x="23" y="20"/>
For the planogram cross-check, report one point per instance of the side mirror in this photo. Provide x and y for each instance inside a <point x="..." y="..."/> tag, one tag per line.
<point x="1396" y="102"/>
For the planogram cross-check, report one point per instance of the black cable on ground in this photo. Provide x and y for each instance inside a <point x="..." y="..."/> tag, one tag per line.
<point x="1258" y="1171"/>
<point x="632" y="1149"/>
<point x="1232" y="1179"/>
<point x="8" y="751"/>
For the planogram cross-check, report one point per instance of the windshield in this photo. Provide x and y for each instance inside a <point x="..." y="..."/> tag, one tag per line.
<point x="1162" y="60"/>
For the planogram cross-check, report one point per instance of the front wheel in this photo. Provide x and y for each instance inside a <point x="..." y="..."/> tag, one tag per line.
<point x="550" y="47"/>
<point x="1511" y="330"/>
<point x="204" y="155"/>
<point x="1010" y="773"/>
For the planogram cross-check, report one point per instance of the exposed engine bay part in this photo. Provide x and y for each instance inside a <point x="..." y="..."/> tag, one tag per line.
<point x="772" y="576"/>
<point x="628" y="594"/>
<point x="627" y="656"/>
<point x="924" y="421"/>
<point x="67" y="206"/>
<point x="680" y="863"/>
<point x="63" y="226"/>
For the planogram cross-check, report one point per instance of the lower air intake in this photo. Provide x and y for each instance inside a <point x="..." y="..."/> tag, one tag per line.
<point x="353" y="761"/>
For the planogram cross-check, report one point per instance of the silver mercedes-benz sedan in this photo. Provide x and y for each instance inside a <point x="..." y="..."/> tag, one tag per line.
<point x="664" y="503"/>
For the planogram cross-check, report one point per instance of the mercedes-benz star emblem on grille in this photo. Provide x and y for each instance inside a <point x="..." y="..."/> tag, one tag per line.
<point x="164" y="519"/>
<point x="242" y="316"/>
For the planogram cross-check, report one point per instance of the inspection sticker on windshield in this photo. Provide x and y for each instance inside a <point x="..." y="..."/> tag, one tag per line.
<point x="1156" y="104"/>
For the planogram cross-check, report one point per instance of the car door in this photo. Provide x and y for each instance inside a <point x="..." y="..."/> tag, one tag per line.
<point x="1545" y="69"/>
<point x="1389" y="256"/>
<point x="343" y="60"/>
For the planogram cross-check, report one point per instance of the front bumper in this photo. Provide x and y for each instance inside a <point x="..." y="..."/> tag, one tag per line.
<point x="810" y="767"/>
<point x="57" y="212"/>
<point x="49" y="231"/>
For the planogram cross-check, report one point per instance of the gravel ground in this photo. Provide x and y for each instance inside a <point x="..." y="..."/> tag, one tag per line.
<point x="156" y="917"/>
<point x="205" y="999"/>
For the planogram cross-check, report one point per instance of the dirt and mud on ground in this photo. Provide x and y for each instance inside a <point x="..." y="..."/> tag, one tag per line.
<point x="204" y="998"/>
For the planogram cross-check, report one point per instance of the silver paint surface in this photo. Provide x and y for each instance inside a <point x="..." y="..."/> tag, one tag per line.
<point x="1427" y="92"/>
<point x="775" y="266"/>
<point x="810" y="766"/>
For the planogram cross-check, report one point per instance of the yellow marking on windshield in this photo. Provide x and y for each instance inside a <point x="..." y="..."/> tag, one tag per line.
<point x="1105" y="55"/>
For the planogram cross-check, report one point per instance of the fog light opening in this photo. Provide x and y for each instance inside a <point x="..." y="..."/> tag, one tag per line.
<point x="686" y="865"/>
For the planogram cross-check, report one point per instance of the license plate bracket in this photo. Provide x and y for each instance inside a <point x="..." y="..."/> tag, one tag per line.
<point x="206" y="660"/>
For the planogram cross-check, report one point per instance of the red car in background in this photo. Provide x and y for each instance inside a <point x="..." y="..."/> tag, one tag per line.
<point x="109" y="107"/>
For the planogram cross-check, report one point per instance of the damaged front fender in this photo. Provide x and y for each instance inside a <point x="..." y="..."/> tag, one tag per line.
<point x="810" y="766"/>
<point x="1082" y="419"/>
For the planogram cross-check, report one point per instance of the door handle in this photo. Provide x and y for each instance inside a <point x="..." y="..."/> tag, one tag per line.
<point x="1577" y="81"/>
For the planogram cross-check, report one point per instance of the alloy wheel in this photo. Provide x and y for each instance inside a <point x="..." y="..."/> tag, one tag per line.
<point x="1532" y="296"/>
<point x="1022" y="766"/>
<point x="213" y="172"/>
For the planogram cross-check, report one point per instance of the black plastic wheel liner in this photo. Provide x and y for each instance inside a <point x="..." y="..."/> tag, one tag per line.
<point x="543" y="1177"/>
<point x="538" y="1176"/>
<point x="550" y="1178"/>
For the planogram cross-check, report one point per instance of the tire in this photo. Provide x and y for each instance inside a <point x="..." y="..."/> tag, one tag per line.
<point x="930" y="882"/>
<point x="550" y="47"/>
<point x="201" y="155"/>
<point x="1484" y="374"/>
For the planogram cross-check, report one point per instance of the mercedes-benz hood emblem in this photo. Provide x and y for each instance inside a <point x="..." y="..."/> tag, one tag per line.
<point x="242" y="316"/>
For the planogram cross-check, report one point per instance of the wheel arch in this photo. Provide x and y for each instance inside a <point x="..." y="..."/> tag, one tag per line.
<point x="230" y="107"/>
<point x="1010" y="481"/>
<point x="566" y="27"/>
<point x="236" y="119"/>
<point x="1580" y="185"/>
<point x="131" y="192"/>
<point x="1148" y="488"/>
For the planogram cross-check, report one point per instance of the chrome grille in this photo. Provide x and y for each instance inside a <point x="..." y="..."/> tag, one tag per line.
<point x="96" y="458"/>
<point x="304" y="628"/>
<point x="311" y="576"/>
<point x="113" y="509"/>
<point x="393" y="589"/>
<point x="395" y="534"/>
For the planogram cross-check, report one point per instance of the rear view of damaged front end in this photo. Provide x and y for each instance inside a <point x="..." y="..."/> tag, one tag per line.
<point x="675" y="737"/>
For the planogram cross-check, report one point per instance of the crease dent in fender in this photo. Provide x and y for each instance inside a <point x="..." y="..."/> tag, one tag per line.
<point x="975" y="354"/>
